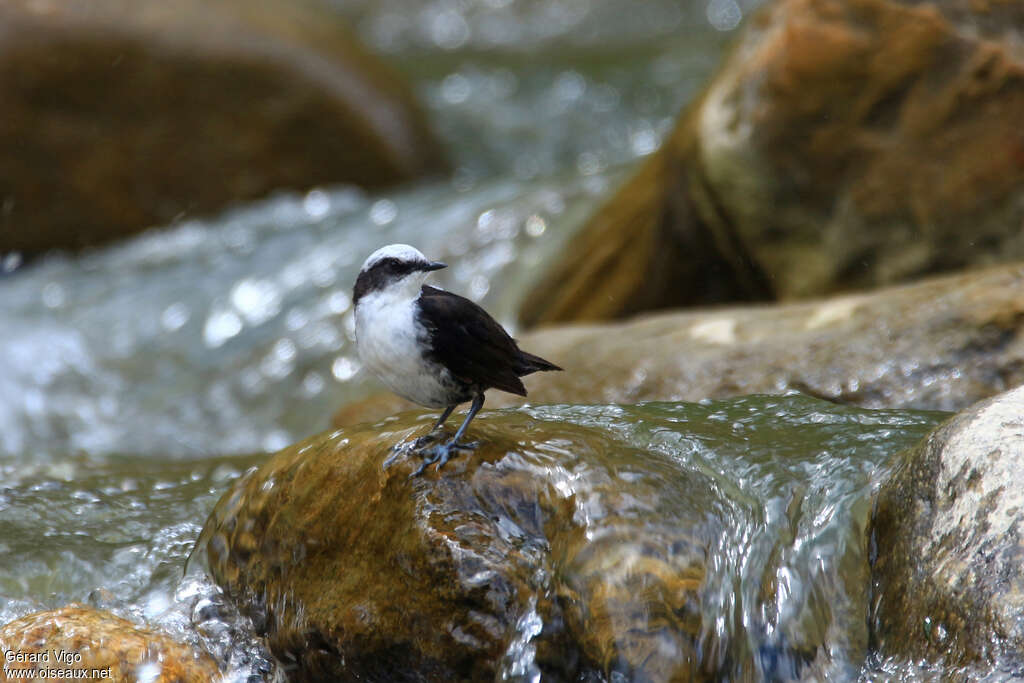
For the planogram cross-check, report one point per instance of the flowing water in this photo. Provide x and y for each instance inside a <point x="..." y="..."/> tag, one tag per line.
<point x="138" y="380"/>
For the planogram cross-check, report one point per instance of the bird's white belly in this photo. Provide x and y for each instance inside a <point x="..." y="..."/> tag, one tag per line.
<point x="386" y="339"/>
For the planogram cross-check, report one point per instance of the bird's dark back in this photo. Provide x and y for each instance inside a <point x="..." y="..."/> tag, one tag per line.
<point x="464" y="338"/>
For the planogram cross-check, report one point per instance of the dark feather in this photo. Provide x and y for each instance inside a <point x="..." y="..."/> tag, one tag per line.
<point x="477" y="350"/>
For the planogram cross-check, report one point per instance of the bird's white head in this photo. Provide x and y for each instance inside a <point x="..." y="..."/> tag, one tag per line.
<point x="397" y="268"/>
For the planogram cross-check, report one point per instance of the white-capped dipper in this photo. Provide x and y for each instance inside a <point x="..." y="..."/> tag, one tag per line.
<point x="430" y="346"/>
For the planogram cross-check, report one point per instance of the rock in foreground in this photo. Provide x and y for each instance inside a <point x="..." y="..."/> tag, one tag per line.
<point x="121" y="115"/>
<point x="665" y="542"/>
<point x="94" y="640"/>
<point x="661" y="542"/>
<point x="949" y="537"/>
<point x="358" y="572"/>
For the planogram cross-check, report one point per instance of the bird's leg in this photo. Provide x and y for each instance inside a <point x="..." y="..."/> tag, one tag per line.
<point x="431" y="436"/>
<point x="442" y="452"/>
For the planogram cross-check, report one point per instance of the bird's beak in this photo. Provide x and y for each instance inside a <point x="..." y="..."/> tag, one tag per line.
<point x="435" y="265"/>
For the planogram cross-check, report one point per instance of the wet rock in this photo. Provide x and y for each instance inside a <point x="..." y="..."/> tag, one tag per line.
<point x="947" y="531"/>
<point x="939" y="344"/>
<point x="120" y="115"/>
<point x="556" y="549"/>
<point x="845" y="144"/>
<point x="93" y="639"/>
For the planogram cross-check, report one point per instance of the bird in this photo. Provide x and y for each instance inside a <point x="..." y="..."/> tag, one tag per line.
<point x="432" y="347"/>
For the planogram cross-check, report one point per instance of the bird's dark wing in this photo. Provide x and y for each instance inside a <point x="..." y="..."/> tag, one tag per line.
<point x="465" y="339"/>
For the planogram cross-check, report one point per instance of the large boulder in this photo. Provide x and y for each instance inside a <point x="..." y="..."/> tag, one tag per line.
<point x="944" y="344"/>
<point x="79" y="638"/>
<point x="845" y="144"/>
<point x="556" y="548"/>
<point x="119" y="115"/>
<point x="948" y="536"/>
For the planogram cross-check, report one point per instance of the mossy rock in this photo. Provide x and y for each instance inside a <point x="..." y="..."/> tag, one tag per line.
<point x="554" y="548"/>
<point x="93" y="639"/>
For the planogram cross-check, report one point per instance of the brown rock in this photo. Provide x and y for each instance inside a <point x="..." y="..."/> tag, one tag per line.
<point x="845" y="144"/>
<point x="949" y="538"/>
<point x="939" y="344"/>
<point x="120" y="115"/>
<point x="552" y="537"/>
<point x="96" y="640"/>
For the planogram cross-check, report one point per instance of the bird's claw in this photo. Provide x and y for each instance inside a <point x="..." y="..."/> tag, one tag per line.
<point x="442" y="453"/>
<point x="426" y="440"/>
<point x="403" y="448"/>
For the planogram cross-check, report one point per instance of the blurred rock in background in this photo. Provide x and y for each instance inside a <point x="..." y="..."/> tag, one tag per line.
<point x="123" y="115"/>
<point x="844" y="145"/>
<point x="941" y="344"/>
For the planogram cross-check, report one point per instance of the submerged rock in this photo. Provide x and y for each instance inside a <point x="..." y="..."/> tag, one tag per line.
<point x="121" y="115"/>
<point x="559" y="548"/>
<point x="845" y="144"/>
<point x="948" y="536"/>
<point x="939" y="344"/>
<point x="82" y="638"/>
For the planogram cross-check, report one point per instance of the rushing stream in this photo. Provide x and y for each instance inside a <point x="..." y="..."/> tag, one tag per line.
<point x="137" y="381"/>
<point x="789" y="479"/>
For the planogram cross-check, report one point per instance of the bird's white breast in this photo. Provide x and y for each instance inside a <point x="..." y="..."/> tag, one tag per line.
<point x="389" y="339"/>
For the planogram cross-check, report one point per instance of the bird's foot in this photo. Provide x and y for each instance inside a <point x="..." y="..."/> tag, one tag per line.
<point x="427" y="439"/>
<point x="404" y="448"/>
<point x="442" y="453"/>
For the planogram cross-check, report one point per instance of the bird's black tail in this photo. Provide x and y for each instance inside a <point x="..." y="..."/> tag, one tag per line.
<point x="530" y="363"/>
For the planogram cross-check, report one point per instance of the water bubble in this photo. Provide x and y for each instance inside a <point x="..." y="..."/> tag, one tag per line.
<point x="497" y="224"/>
<point x="724" y="15"/>
<point x="595" y="185"/>
<point x="344" y="368"/>
<point x="257" y="300"/>
<point x="296" y="319"/>
<point x="276" y="440"/>
<point x="53" y="295"/>
<point x="10" y="262"/>
<point x="221" y="326"/>
<point x="643" y="140"/>
<point x="316" y="204"/>
<point x="174" y="316"/>
<point x="535" y="226"/>
<point x="455" y="88"/>
<point x="312" y="384"/>
<point x="449" y="30"/>
<point x="570" y="86"/>
<point x="383" y="212"/>
<point x="478" y="287"/>
<point x="338" y="301"/>
<point x="280" y="362"/>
